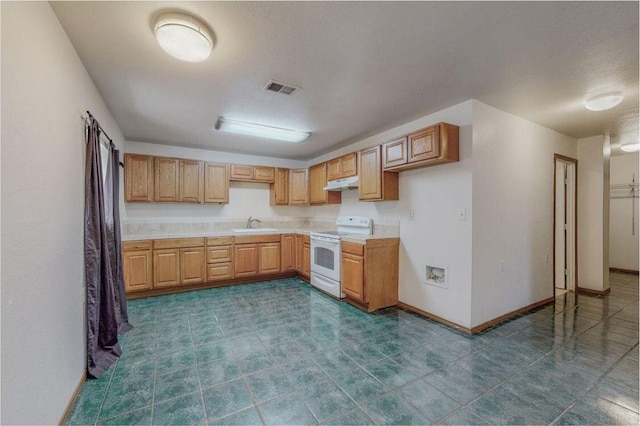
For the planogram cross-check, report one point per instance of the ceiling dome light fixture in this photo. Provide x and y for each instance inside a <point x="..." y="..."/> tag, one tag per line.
<point x="183" y="37"/>
<point x="630" y="147"/>
<point x="604" y="102"/>
<point x="260" y="130"/>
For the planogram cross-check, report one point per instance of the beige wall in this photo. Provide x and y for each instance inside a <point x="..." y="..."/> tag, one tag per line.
<point x="593" y="188"/>
<point x="513" y="165"/>
<point x="45" y="89"/>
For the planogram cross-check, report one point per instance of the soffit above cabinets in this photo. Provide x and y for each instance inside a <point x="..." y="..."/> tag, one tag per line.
<point x="361" y="67"/>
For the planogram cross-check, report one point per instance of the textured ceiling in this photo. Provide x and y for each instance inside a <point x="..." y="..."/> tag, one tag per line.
<point x="363" y="67"/>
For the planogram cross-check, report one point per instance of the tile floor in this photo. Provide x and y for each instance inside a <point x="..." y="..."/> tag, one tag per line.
<point x="279" y="352"/>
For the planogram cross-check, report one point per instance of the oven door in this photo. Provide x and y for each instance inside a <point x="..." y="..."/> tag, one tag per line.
<point x="325" y="257"/>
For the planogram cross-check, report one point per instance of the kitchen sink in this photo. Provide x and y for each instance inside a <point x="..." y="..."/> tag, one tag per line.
<point x="253" y="230"/>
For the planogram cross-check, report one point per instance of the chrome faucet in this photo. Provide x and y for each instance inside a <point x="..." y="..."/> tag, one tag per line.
<point x="250" y="222"/>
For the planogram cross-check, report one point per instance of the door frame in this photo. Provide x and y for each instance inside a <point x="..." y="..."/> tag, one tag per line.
<point x="565" y="159"/>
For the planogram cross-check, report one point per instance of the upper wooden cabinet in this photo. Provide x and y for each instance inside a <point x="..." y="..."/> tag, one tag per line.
<point x="279" y="189"/>
<point x="298" y="187"/>
<point x="342" y="167"/>
<point x="138" y="174"/>
<point x="375" y="184"/>
<point x="191" y="181"/>
<point x="317" y="182"/>
<point x="433" y="145"/>
<point x="167" y="176"/>
<point x="216" y="183"/>
<point x="241" y="172"/>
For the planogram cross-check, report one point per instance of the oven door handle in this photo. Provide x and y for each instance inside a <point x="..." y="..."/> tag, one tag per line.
<point x="329" y="240"/>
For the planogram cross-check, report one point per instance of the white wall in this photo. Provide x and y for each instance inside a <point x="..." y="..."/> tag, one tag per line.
<point x="245" y="198"/>
<point x="623" y="244"/>
<point x="435" y="237"/>
<point x="513" y="162"/>
<point x="45" y="89"/>
<point x="593" y="267"/>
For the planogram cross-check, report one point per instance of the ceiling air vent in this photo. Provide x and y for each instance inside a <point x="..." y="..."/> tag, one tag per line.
<point x="276" y="86"/>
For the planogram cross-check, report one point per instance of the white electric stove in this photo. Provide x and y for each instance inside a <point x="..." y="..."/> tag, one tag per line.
<point x="325" y="252"/>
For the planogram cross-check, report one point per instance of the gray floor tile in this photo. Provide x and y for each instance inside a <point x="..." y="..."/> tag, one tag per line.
<point x="390" y="409"/>
<point x="226" y="398"/>
<point x="353" y="417"/>
<point x="176" y="383"/>
<point x="247" y="417"/>
<point x="127" y="397"/>
<point x="432" y="403"/>
<point x="268" y="384"/>
<point x="326" y="400"/>
<point x="463" y="417"/>
<point x="287" y="410"/>
<point x="137" y="417"/>
<point x="598" y="411"/>
<point x="390" y="373"/>
<point x="360" y="385"/>
<point x="618" y="394"/>
<point x="184" y="410"/>
<point x="218" y="371"/>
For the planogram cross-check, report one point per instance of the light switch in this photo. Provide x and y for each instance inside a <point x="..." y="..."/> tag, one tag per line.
<point x="462" y="214"/>
<point x="411" y="216"/>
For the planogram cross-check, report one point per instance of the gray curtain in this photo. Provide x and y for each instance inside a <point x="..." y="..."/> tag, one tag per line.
<point x="103" y="270"/>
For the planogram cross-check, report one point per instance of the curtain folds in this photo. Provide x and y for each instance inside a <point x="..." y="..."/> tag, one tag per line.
<point x="106" y="305"/>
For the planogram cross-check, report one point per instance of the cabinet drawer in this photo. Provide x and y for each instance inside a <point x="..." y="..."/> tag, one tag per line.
<point x="219" y="241"/>
<point x="255" y="239"/>
<point x="178" y="243"/>
<point x="219" y="254"/>
<point x="219" y="271"/>
<point x="136" y="245"/>
<point x="357" y="249"/>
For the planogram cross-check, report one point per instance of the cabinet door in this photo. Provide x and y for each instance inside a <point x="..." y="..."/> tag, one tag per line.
<point x="349" y="165"/>
<point x="334" y="169"/>
<point x="264" y="174"/>
<point x="298" y="187"/>
<point x="138" y="176"/>
<point x="306" y="260"/>
<point x="288" y="253"/>
<point x="138" y="270"/>
<point x="299" y="252"/>
<point x="245" y="260"/>
<point x="166" y="179"/>
<point x="216" y="183"/>
<point x="370" y="184"/>
<point x="192" y="265"/>
<point x="317" y="181"/>
<point x="394" y="153"/>
<point x="424" y="145"/>
<point x="353" y="276"/>
<point x="191" y="181"/>
<point x="269" y="259"/>
<point x="166" y="267"/>
<point x="241" y="172"/>
<point x="280" y="188"/>
<point x="219" y="254"/>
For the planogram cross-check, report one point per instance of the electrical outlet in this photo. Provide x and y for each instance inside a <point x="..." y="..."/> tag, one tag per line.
<point x="462" y="214"/>
<point x="411" y="215"/>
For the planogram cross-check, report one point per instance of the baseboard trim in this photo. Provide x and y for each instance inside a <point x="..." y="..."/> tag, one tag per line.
<point x="434" y="317"/>
<point x="624" y="271"/>
<point x="485" y="325"/>
<point x="478" y="328"/>
<point x="591" y="292"/>
<point x="213" y="284"/>
<point x="72" y="401"/>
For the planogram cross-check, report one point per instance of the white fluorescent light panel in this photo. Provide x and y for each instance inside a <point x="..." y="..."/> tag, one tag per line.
<point x="260" y="130"/>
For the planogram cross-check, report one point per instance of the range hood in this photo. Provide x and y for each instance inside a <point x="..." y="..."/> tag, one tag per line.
<point x="342" y="184"/>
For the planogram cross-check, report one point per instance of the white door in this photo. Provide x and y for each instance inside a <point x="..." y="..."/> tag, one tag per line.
<point x="565" y="225"/>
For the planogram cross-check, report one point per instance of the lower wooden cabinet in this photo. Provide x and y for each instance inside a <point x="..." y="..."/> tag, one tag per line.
<point x="166" y="267"/>
<point x="303" y="255"/>
<point x="192" y="265"/>
<point x="353" y="276"/>
<point x="306" y="259"/>
<point x="220" y="258"/>
<point x="288" y="253"/>
<point x="269" y="258"/>
<point x="370" y="273"/>
<point x="137" y="265"/>
<point x="245" y="260"/>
